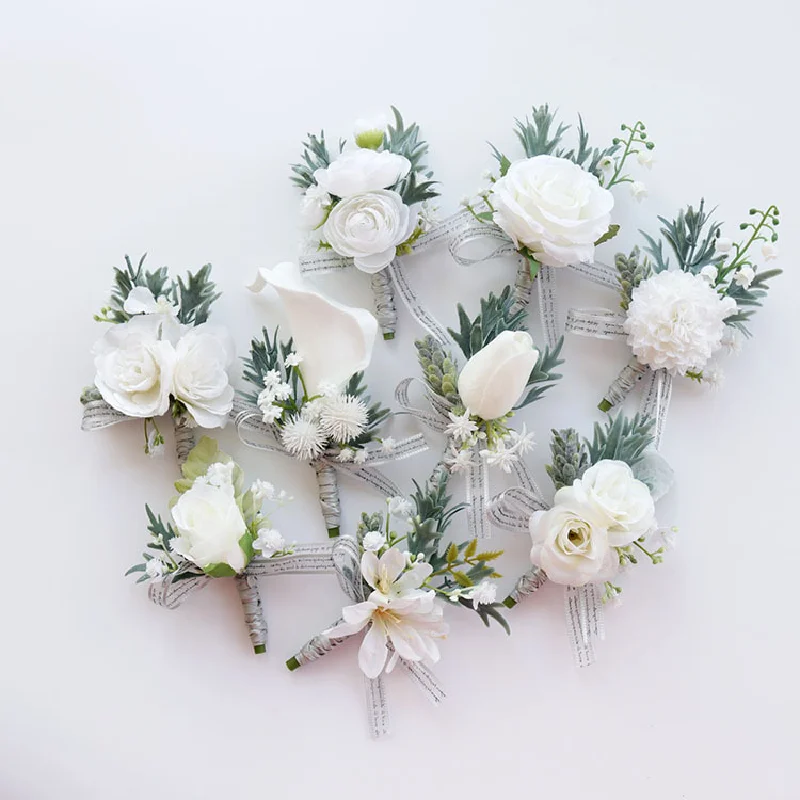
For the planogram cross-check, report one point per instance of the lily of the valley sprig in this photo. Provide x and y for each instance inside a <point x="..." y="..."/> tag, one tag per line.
<point x="161" y="354"/>
<point x="369" y="202"/>
<point x="555" y="203"/>
<point x="679" y="319"/>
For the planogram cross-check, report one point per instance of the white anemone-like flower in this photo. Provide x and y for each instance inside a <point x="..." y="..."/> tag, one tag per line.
<point x="342" y="417"/>
<point x="303" y="437"/>
<point x="676" y="321"/>
<point x="397" y="613"/>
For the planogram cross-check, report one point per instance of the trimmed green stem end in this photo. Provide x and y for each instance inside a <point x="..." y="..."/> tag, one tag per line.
<point x="333" y="532"/>
<point x="258" y="649"/>
<point x="292" y="664"/>
<point x="388" y="335"/>
<point x="509" y="602"/>
<point x="604" y="405"/>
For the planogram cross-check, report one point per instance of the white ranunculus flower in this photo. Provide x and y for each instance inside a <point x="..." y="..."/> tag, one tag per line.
<point x="201" y="379"/>
<point x="620" y="502"/>
<point x="314" y="207"/>
<point x="552" y="207"/>
<point x="368" y="228"/>
<point x="362" y="170"/>
<point x="334" y="340"/>
<point x="676" y="321"/>
<point x="209" y="525"/>
<point x="572" y="546"/>
<point x="134" y="367"/>
<point x="495" y="377"/>
<point x="397" y="612"/>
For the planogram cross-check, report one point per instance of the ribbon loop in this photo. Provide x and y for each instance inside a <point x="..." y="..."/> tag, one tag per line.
<point x="511" y="510"/>
<point x="598" y="323"/>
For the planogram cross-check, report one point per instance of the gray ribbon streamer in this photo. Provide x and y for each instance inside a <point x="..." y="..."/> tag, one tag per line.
<point x="598" y="323"/>
<point x="656" y="399"/>
<point x="548" y="312"/>
<point x="583" y="609"/>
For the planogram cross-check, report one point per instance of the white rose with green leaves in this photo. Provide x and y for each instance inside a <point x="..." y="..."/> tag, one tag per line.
<point x="553" y="207"/>
<point x="495" y="377"/>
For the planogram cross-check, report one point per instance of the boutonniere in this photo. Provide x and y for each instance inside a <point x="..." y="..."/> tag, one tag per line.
<point x="217" y="528"/>
<point x="160" y="354"/>
<point x="553" y="206"/>
<point x="474" y="405"/>
<point x="401" y="575"/>
<point x="601" y="522"/>
<point x="367" y="204"/>
<point x="308" y="393"/>
<point x="678" y="319"/>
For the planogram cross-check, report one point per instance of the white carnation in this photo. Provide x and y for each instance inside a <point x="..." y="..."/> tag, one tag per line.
<point x="342" y="417"/>
<point x="676" y="321"/>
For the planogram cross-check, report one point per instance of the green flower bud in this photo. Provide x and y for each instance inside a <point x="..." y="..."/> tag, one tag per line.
<point x="370" y="139"/>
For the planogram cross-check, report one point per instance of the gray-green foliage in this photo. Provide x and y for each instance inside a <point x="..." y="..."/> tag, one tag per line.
<point x="162" y="535"/>
<point x="376" y="413"/>
<point x="631" y="271"/>
<point x="543" y="375"/>
<point x="439" y="369"/>
<point x="315" y="156"/>
<point x="268" y="354"/>
<point x="496" y="315"/>
<point x="193" y="296"/>
<point x="749" y="299"/>
<point x="621" y="439"/>
<point x="570" y="456"/>
<point x="405" y="141"/>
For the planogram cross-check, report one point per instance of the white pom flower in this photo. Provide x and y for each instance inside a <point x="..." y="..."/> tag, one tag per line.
<point x="342" y="417"/>
<point x="360" y="456"/>
<point x="269" y="542"/>
<point x="303" y="437"/>
<point x="155" y="569"/>
<point x="400" y="507"/>
<point x="373" y="541"/>
<point x="485" y="593"/>
<point x="676" y="321"/>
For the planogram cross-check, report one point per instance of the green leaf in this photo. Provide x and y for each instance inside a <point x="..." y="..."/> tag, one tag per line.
<point x="452" y="552"/>
<point x="486" y="216"/>
<point x="462" y="579"/>
<point x="135" y="568"/>
<point x="246" y="543"/>
<point x="219" y="571"/>
<point x="471" y="549"/>
<point x="205" y="453"/>
<point x="489" y="555"/>
<point x="195" y="296"/>
<point x="612" y="231"/>
<point x="534" y="265"/>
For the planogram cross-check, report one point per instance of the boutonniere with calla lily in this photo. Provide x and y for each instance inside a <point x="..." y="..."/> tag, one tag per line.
<point x="475" y="404"/>
<point x="308" y="393"/>
<point x="602" y="520"/>
<point x="402" y="576"/>
<point x="678" y="320"/>
<point x="366" y="204"/>
<point x="159" y="355"/>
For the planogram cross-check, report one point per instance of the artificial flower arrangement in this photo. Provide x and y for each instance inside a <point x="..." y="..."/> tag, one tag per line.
<point x="601" y="521"/>
<point x="677" y="320"/>
<point x="553" y="207"/>
<point x="368" y="204"/>
<point x="473" y="407"/>
<point x="308" y="393"/>
<point x="395" y="578"/>
<point x="161" y="354"/>
<point x="218" y="527"/>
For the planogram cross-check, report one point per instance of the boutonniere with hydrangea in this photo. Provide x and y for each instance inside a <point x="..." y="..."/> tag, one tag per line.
<point x="368" y="203"/>
<point x="309" y="391"/>
<point x="217" y="527"/>
<point x="404" y="577"/>
<point x="474" y="406"/>
<point x="602" y="520"/>
<point x="677" y="321"/>
<point x="555" y="204"/>
<point x="159" y="355"/>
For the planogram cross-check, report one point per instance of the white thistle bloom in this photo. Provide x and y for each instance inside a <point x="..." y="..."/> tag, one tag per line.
<point x="343" y="417"/>
<point x="400" y="507"/>
<point x="262" y="490"/>
<point x="269" y="542"/>
<point x="638" y="191"/>
<point x="398" y="613"/>
<point x="500" y="456"/>
<point x="219" y="474"/>
<point x="744" y="276"/>
<point x="723" y="245"/>
<point x="346" y="454"/>
<point x="458" y="460"/>
<point x="461" y="427"/>
<point x="360" y="456"/>
<point x="374" y="541"/>
<point x="676" y="321"/>
<point x="303" y="438"/>
<point x="709" y="273"/>
<point x="388" y="444"/>
<point x="293" y="360"/>
<point x="155" y="569"/>
<point x="769" y="250"/>
<point x="485" y="593"/>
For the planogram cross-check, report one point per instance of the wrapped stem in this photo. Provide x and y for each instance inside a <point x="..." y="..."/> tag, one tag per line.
<point x="532" y="580"/>
<point x="313" y="649"/>
<point x="328" y="496"/>
<point x="184" y="438"/>
<point x="253" y="611"/>
<point x="522" y="285"/>
<point x="385" y="308"/>
<point x="631" y="373"/>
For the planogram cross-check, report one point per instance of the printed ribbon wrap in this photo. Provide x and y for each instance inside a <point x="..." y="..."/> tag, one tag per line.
<point x="347" y="566"/>
<point x="248" y="420"/>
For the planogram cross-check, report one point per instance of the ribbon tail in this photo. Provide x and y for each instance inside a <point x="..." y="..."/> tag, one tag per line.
<point x="377" y="707"/>
<point x="421" y="314"/>
<point x="425" y="680"/>
<point x="584" y="615"/>
<point x="548" y="310"/>
<point x="477" y="478"/>
<point x="596" y="272"/>
<point x="656" y="400"/>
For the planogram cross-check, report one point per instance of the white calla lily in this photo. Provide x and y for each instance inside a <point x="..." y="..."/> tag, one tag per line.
<point x="334" y="340"/>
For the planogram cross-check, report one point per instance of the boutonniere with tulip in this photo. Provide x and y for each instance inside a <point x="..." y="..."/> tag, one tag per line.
<point x="160" y="354"/>
<point x="369" y="202"/>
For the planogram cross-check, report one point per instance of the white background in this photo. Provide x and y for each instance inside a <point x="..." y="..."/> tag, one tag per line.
<point x="168" y="127"/>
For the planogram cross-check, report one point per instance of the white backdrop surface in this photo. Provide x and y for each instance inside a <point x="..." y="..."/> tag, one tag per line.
<point x="168" y="127"/>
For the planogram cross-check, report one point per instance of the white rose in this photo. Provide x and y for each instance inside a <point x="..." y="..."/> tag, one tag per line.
<point x="201" y="380"/>
<point x="362" y="170"/>
<point x="571" y="546"/>
<point x="368" y="227"/>
<point x="618" y="501"/>
<point x="209" y="525"/>
<point x="495" y="377"/>
<point x="314" y="207"/>
<point x="552" y="207"/>
<point x="134" y="368"/>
